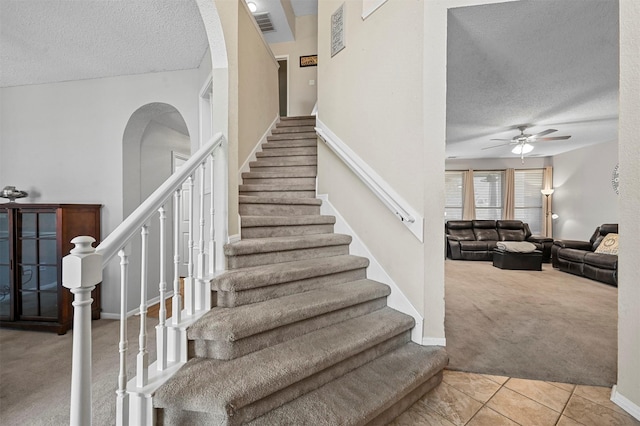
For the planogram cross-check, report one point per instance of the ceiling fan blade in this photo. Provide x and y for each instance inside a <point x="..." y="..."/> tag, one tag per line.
<point x="506" y="140"/>
<point x="546" y="132"/>
<point x="553" y="138"/>
<point x="496" y="146"/>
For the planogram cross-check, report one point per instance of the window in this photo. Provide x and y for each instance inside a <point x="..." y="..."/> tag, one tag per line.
<point x="488" y="188"/>
<point x="528" y="198"/>
<point x="453" y="186"/>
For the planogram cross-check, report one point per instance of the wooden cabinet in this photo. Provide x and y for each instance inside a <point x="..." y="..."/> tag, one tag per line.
<point x="33" y="240"/>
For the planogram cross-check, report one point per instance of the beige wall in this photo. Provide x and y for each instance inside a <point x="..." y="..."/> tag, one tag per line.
<point x="629" y="279"/>
<point x="302" y="95"/>
<point x="258" y="85"/>
<point x="369" y="96"/>
<point x="252" y="92"/>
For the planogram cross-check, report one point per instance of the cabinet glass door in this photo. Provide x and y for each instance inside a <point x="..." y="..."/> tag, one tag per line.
<point x="5" y="267"/>
<point x="37" y="266"/>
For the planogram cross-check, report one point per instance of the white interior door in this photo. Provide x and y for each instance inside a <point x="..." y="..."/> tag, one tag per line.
<point x="178" y="161"/>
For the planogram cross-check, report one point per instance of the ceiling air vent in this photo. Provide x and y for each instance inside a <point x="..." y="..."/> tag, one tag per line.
<point x="264" y="22"/>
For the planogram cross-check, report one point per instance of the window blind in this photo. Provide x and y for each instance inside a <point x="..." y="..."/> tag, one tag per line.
<point x="454" y="195"/>
<point x="489" y="186"/>
<point x="528" y="198"/>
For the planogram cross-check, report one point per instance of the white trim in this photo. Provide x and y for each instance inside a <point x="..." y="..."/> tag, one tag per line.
<point x="389" y="197"/>
<point x="434" y="341"/>
<point x="286" y="58"/>
<point x="234" y="238"/>
<point x="252" y="156"/>
<point x="396" y="300"/>
<point x="624" y="403"/>
<point x="136" y="311"/>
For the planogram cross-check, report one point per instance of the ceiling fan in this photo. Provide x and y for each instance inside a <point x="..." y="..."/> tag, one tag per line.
<point x="524" y="140"/>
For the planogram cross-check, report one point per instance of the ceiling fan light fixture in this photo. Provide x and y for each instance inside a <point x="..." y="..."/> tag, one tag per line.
<point x="524" y="148"/>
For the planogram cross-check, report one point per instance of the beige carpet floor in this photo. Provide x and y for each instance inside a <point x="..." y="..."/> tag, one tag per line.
<point x="35" y="373"/>
<point x="542" y="325"/>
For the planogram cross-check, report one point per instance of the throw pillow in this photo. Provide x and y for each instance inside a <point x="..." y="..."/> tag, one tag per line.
<point x="608" y="245"/>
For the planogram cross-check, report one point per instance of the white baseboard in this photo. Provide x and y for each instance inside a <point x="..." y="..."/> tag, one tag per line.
<point x="434" y="341"/>
<point x="252" y="157"/>
<point x="234" y="238"/>
<point x="136" y="311"/>
<point x="624" y="403"/>
<point x="396" y="300"/>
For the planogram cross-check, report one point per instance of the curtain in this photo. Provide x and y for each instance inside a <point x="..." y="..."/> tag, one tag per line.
<point x="469" y="199"/>
<point x="508" y="210"/>
<point x="547" y="183"/>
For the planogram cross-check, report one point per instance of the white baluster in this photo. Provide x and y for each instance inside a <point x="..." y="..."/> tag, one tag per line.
<point x="212" y="212"/>
<point x="176" y="304"/>
<point x="122" y="399"/>
<point x="81" y="271"/>
<point x="203" y="296"/>
<point x="161" y="328"/>
<point x="142" y="365"/>
<point x="189" y="282"/>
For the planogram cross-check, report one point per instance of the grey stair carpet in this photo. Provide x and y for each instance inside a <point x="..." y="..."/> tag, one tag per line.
<point x="299" y="335"/>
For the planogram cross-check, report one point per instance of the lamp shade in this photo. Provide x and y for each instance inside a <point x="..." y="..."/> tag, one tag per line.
<point x="522" y="149"/>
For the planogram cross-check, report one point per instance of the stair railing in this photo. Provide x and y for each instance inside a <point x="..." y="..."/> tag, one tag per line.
<point x="83" y="268"/>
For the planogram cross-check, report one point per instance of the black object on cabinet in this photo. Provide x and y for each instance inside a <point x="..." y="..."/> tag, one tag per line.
<point x="33" y="240"/>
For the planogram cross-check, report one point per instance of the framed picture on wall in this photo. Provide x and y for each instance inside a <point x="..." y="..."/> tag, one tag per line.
<point x="309" y="61"/>
<point x="337" y="31"/>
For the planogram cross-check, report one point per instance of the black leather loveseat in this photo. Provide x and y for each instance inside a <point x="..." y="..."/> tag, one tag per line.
<point x="476" y="239"/>
<point x="581" y="257"/>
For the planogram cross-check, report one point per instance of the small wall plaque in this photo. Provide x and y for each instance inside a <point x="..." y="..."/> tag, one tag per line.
<point x="337" y="30"/>
<point x="309" y="61"/>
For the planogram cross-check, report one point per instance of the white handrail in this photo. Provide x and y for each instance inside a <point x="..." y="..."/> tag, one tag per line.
<point x="393" y="201"/>
<point x="110" y="246"/>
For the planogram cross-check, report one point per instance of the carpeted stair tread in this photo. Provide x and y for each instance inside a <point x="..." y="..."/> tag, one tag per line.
<point x="290" y="136"/>
<point x="268" y="275"/>
<point x="360" y="396"/>
<point x="277" y="187"/>
<point x="267" y="245"/>
<point x="294" y="129"/>
<point x="231" y="324"/>
<point x="287" y="152"/>
<point x="264" y="251"/>
<point x="298" y="117"/>
<point x="298" y="122"/>
<point x="279" y="174"/>
<point x="248" y="199"/>
<point x="291" y="143"/>
<point x="251" y="221"/>
<point x="212" y="386"/>
<point x="298" y="160"/>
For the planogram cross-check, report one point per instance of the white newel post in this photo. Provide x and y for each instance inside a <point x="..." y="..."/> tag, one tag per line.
<point x="81" y="272"/>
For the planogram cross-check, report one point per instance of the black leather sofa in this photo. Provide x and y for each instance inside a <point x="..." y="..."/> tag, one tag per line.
<point x="578" y="257"/>
<point x="476" y="239"/>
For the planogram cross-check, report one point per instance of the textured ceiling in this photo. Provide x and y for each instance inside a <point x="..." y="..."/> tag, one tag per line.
<point x="545" y="63"/>
<point x="43" y="41"/>
<point x="548" y="64"/>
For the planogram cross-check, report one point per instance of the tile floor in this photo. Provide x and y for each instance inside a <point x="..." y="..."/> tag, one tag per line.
<point x="484" y="400"/>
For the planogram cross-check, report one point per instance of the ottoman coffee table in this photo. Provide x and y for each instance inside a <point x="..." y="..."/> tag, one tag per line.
<point x="504" y="259"/>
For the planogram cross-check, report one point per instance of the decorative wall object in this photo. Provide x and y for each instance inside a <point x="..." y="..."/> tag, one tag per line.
<point x="370" y="6"/>
<point x="309" y="61"/>
<point x="615" y="179"/>
<point x="337" y="31"/>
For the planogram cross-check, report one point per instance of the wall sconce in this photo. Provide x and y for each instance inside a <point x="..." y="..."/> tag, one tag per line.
<point x="252" y="7"/>
<point x="547" y="192"/>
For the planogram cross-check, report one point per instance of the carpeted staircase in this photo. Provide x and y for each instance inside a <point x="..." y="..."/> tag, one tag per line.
<point x="299" y="336"/>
